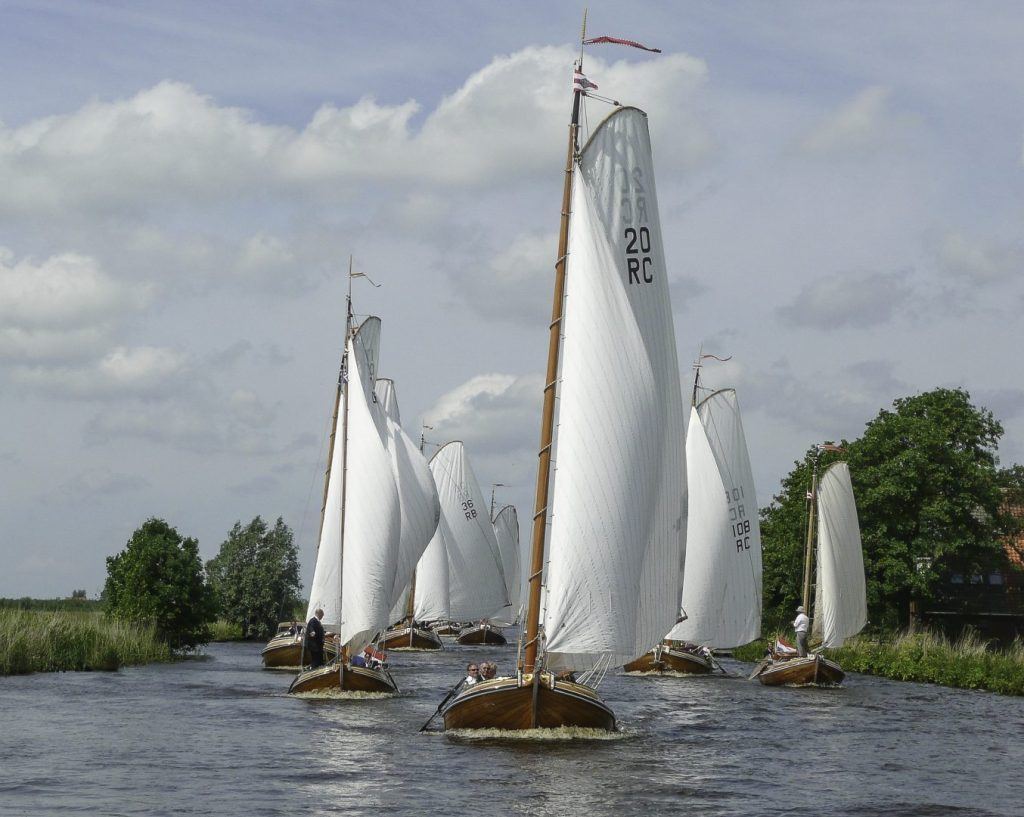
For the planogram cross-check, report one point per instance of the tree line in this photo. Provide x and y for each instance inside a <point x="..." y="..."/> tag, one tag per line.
<point x="253" y="581"/>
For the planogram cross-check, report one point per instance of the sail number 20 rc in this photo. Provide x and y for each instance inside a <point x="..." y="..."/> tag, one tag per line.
<point x="639" y="264"/>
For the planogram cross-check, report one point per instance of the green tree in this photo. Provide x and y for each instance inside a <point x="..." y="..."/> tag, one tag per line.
<point x="159" y="577"/>
<point x="256" y="576"/>
<point x="929" y="499"/>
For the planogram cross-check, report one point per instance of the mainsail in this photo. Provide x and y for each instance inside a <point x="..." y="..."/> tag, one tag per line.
<point x="618" y="516"/>
<point x="840" y="604"/>
<point x="476" y="584"/>
<point x="353" y="579"/>
<point x="431" y="602"/>
<point x="417" y="495"/>
<point x="506" y="531"/>
<point x="722" y="581"/>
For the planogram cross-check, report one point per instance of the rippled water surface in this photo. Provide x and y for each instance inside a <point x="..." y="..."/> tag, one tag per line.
<point x="219" y="736"/>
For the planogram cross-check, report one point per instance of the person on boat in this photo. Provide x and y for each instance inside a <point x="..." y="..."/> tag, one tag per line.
<point x="357" y="661"/>
<point x="472" y="674"/>
<point x="801" y="624"/>
<point x="488" y="670"/>
<point x="315" y="639"/>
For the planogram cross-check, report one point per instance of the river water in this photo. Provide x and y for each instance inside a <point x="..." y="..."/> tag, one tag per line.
<point x="218" y="736"/>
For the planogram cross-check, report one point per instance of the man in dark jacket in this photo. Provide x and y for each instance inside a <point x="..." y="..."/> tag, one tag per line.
<point x="315" y="639"/>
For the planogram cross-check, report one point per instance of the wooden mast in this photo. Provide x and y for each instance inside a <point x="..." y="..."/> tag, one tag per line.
<point x="342" y="652"/>
<point x="548" y="415"/>
<point x="809" y="546"/>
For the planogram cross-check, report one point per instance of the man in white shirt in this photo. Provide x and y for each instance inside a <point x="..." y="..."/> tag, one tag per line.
<point x="801" y="624"/>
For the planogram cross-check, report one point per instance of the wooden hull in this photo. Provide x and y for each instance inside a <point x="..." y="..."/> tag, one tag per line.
<point x="668" y="659"/>
<point x="482" y="634"/>
<point x="518" y="703"/>
<point x="411" y="638"/>
<point x="813" y="670"/>
<point x="287" y="653"/>
<point x="354" y="679"/>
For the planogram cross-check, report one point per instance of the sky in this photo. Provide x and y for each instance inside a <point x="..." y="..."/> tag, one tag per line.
<point x="841" y="188"/>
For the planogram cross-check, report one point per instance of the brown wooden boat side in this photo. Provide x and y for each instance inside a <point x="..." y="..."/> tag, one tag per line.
<point x="399" y="639"/>
<point x="507" y="703"/>
<point x="353" y="679"/>
<point x="287" y="652"/>
<point x="814" y="669"/>
<point x="482" y="634"/>
<point x="450" y="629"/>
<point x="670" y="660"/>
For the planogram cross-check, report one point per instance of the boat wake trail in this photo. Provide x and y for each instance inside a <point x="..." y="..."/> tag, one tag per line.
<point x="343" y="695"/>
<point x="563" y="733"/>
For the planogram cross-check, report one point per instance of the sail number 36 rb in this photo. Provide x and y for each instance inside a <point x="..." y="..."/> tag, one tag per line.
<point x="639" y="263"/>
<point x="737" y="518"/>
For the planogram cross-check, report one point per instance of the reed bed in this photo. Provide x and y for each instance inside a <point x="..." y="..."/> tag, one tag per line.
<point x="226" y="631"/>
<point x="925" y="656"/>
<point x="52" y="641"/>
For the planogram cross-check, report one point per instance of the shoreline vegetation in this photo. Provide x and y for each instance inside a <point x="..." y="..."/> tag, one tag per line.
<point x="925" y="657"/>
<point x="70" y="640"/>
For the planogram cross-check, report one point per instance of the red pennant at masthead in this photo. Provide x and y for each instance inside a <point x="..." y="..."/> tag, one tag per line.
<point x="620" y="41"/>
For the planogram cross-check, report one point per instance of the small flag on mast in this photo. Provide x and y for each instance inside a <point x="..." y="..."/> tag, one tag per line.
<point x="620" y="41"/>
<point x="581" y="83"/>
<point x="829" y="447"/>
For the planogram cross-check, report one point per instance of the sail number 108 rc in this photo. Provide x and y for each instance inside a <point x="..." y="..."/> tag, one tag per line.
<point x="638" y="237"/>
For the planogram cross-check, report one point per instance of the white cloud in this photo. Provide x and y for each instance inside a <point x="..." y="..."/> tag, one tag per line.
<point x="61" y="308"/>
<point x="170" y="143"/>
<point x="847" y="300"/>
<point x="980" y="261"/>
<point x="861" y="125"/>
<point x="490" y="412"/>
<point x="144" y="371"/>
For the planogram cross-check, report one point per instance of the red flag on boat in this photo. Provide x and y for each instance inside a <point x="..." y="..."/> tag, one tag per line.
<point x="581" y="83"/>
<point x="620" y="41"/>
<point x="829" y="447"/>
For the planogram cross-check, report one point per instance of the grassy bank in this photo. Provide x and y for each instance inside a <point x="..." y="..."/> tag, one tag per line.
<point x="930" y="658"/>
<point x="226" y="631"/>
<point x="925" y="657"/>
<point x="38" y="641"/>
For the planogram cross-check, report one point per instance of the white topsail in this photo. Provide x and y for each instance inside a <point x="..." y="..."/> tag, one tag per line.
<point x="353" y="579"/>
<point x="722" y="583"/>
<point x="476" y="585"/>
<point x="618" y="516"/>
<point x="506" y="531"/>
<point x="840" y="597"/>
<point x="417" y="496"/>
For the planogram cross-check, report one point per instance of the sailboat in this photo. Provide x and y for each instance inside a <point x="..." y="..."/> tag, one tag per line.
<point x="285" y="649"/>
<point x="360" y="526"/>
<point x="840" y="599"/>
<point x="476" y="581"/>
<point x="721" y="599"/>
<point x="506" y="531"/>
<point x="420" y="511"/>
<point x="613" y="566"/>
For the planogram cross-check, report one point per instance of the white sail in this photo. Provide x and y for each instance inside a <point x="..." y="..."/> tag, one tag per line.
<point x="840" y="597"/>
<point x="618" y="517"/>
<point x="417" y="494"/>
<point x="476" y="584"/>
<point x="722" y="581"/>
<point x="506" y="531"/>
<point x="431" y="602"/>
<point x="367" y="558"/>
<point x="387" y="398"/>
